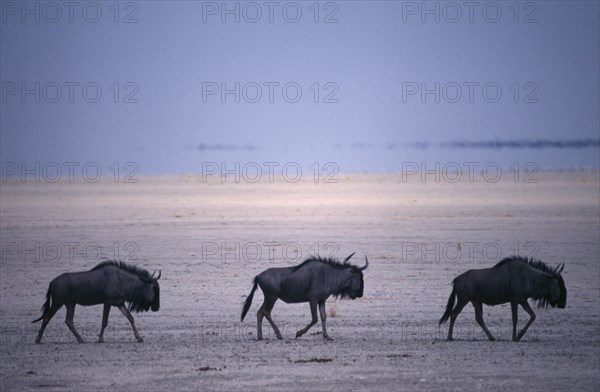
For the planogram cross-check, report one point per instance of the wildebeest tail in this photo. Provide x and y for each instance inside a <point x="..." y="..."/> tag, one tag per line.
<point x="248" y="301"/>
<point x="45" y="307"/>
<point x="448" y="307"/>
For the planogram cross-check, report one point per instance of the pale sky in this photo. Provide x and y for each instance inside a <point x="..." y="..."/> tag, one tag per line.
<point x="500" y="73"/>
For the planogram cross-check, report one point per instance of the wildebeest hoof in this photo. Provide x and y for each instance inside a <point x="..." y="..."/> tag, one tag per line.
<point x="327" y="338"/>
<point x="298" y="334"/>
<point x="81" y="341"/>
<point x="259" y="338"/>
<point x="279" y="337"/>
<point x="38" y="341"/>
<point x="450" y="339"/>
<point x="140" y="340"/>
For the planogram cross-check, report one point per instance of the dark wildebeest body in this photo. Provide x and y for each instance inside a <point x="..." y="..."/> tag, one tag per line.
<point x="312" y="281"/>
<point x="112" y="283"/>
<point x="514" y="280"/>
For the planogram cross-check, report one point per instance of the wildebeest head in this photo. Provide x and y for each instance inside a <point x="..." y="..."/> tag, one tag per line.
<point x="149" y="296"/>
<point x="155" y="301"/>
<point x="554" y="292"/>
<point x="353" y="287"/>
<point x="557" y="291"/>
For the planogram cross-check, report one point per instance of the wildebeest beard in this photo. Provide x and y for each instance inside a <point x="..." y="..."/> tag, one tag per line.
<point x="345" y="290"/>
<point x="543" y="298"/>
<point x="138" y="302"/>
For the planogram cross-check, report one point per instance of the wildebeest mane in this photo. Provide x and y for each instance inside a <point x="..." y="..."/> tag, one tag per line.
<point x="134" y="269"/>
<point x="326" y="260"/>
<point x="338" y="289"/>
<point x="541" y="298"/>
<point x="136" y="301"/>
<point x="533" y="263"/>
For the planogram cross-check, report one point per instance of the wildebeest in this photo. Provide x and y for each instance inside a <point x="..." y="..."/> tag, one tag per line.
<point x="112" y="283"/>
<point x="312" y="281"/>
<point x="513" y="279"/>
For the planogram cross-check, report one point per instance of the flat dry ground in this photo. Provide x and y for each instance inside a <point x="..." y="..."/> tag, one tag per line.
<point x="210" y="239"/>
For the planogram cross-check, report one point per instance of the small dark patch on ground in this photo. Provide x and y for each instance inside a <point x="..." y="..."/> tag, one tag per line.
<point x="208" y="369"/>
<point x="399" y="355"/>
<point x="314" y="360"/>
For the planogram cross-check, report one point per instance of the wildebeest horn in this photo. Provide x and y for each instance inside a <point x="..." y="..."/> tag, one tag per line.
<point x="347" y="259"/>
<point x="154" y="273"/>
<point x="559" y="268"/>
<point x="366" y="264"/>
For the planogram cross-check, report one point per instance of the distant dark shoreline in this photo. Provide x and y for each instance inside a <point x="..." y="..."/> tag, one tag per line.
<point x="535" y="144"/>
<point x="532" y="144"/>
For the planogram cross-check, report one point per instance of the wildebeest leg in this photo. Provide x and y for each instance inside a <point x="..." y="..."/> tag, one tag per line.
<point x="104" y="322"/>
<point x="126" y="313"/>
<point x="46" y="320"/>
<point x="323" y="318"/>
<point x="313" y="310"/>
<point x="514" y="307"/>
<point x="69" y="322"/>
<point x="529" y="311"/>
<point x="268" y="306"/>
<point x="259" y="319"/>
<point x="457" y="309"/>
<point x="479" y="317"/>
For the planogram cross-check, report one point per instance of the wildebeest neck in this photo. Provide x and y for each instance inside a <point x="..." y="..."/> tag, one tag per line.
<point x="328" y="279"/>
